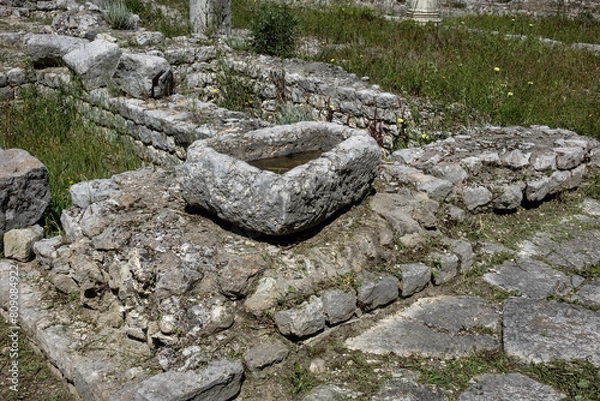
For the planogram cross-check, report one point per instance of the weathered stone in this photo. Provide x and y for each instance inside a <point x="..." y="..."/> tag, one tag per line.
<point x="302" y="321"/>
<point x="45" y="249"/>
<point x="537" y="190"/>
<point x="87" y="192"/>
<point x="208" y="16"/>
<point x="538" y="331"/>
<point x="415" y="277"/>
<point x="265" y="353"/>
<point x="236" y="278"/>
<point x="265" y="297"/>
<point x="438" y="327"/>
<point x="95" y="219"/>
<point x="219" y="381"/>
<point x="69" y="220"/>
<point x="408" y="390"/>
<point x="464" y="251"/>
<point x="589" y="294"/>
<point x="63" y="282"/>
<point x="510" y="197"/>
<point x="529" y="277"/>
<point x="515" y="159"/>
<point x="144" y="76"/>
<point x="95" y="62"/>
<point x="209" y="316"/>
<point x="452" y="172"/>
<point x="474" y="197"/>
<point x="48" y="50"/>
<point x="16" y="76"/>
<point x="112" y="238"/>
<point x="407" y="156"/>
<point x="591" y="207"/>
<point x="509" y="386"/>
<point x="260" y="200"/>
<point x="569" y="158"/>
<point x="24" y="189"/>
<point x="545" y="161"/>
<point x="338" y="306"/>
<point x="376" y="291"/>
<point x="445" y="266"/>
<point x="396" y="209"/>
<point x="150" y="38"/>
<point x="18" y="243"/>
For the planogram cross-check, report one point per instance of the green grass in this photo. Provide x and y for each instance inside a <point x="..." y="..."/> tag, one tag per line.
<point x="153" y="18"/>
<point x="50" y="129"/>
<point x="493" y="79"/>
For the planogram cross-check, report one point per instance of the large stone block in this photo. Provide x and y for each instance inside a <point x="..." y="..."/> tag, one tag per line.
<point x="95" y="62"/>
<point x="144" y="76"/>
<point x="219" y="177"/>
<point x="24" y="189"/>
<point x="48" y="50"/>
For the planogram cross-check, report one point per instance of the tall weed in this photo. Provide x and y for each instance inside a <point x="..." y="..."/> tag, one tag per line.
<point x="50" y="129"/>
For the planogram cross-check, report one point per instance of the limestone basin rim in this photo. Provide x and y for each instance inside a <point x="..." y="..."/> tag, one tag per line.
<point x="280" y="204"/>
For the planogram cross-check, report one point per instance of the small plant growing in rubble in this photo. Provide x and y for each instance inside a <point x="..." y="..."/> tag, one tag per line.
<point x="273" y="30"/>
<point x="118" y="15"/>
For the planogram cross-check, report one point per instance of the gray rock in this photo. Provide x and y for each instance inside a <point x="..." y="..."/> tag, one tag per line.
<point x="302" y="321"/>
<point x="452" y="172"/>
<point x="95" y="219"/>
<point x="45" y="249"/>
<point x="95" y="62"/>
<point x="407" y="156"/>
<point x="16" y="76"/>
<point x="338" y="306"/>
<point x="113" y="238"/>
<point x="537" y="190"/>
<point x="18" y="243"/>
<point x="9" y="276"/>
<point x="69" y="220"/>
<point x="24" y="189"/>
<point x="48" y="50"/>
<point x="375" y="291"/>
<point x="544" y="161"/>
<point x="408" y="390"/>
<point x="216" y="178"/>
<point x="569" y="158"/>
<point x="589" y="294"/>
<point x="474" y="197"/>
<point x="219" y="381"/>
<point x="144" y="76"/>
<point x="63" y="282"/>
<point x="445" y="327"/>
<point x="436" y="188"/>
<point x="464" y="251"/>
<point x="265" y="297"/>
<point x="236" y="278"/>
<point x="509" y="386"/>
<point x="529" y="277"/>
<point x="398" y="211"/>
<point x="515" y="159"/>
<point x="265" y="353"/>
<point x="510" y="197"/>
<point x="415" y="277"/>
<point x="208" y="317"/>
<point x="538" y="331"/>
<point x="150" y="38"/>
<point x="445" y="266"/>
<point x="85" y="193"/>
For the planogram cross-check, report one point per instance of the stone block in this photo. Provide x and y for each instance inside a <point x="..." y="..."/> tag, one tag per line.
<point x="144" y="76"/>
<point x="48" y="50"/>
<point x="338" y="305"/>
<point x="18" y="243"/>
<point x="376" y="291"/>
<point x="94" y="62"/>
<point x="302" y="321"/>
<point x="415" y="277"/>
<point x="24" y="189"/>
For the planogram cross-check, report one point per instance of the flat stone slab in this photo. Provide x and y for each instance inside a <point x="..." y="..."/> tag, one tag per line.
<point x="217" y="176"/>
<point x="538" y="331"/>
<point x="589" y="294"/>
<point x="511" y="386"/>
<point x="408" y="390"/>
<point x="531" y="278"/>
<point x="445" y="326"/>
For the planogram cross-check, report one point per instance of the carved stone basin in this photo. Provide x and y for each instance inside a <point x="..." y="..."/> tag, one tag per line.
<point x="326" y="167"/>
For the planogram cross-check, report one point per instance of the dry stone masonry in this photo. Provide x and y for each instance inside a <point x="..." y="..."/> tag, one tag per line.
<point x="147" y="298"/>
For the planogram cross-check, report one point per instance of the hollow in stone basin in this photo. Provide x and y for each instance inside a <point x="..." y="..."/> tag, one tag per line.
<point x="218" y="176"/>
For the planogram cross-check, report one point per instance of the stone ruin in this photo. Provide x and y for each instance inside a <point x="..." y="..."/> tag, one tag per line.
<point x="173" y="303"/>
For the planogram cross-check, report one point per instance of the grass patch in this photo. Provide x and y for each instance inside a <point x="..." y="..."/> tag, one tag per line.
<point x="50" y="128"/>
<point x="118" y="15"/>
<point x="36" y="380"/>
<point x="153" y="17"/>
<point x="493" y="79"/>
